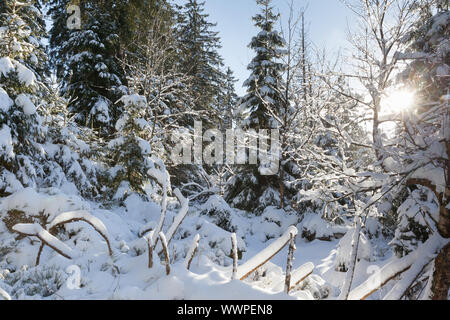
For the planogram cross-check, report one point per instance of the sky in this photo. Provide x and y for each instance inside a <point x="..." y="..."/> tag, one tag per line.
<point x="327" y="22"/>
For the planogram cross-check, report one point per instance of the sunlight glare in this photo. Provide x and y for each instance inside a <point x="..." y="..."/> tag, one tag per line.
<point x="397" y="101"/>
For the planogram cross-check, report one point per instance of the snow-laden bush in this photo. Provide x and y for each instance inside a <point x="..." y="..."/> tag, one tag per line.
<point x="344" y="249"/>
<point x="215" y="242"/>
<point x="272" y="223"/>
<point x="316" y="286"/>
<point x="31" y="203"/>
<point x="38" y="282"/>
<point x="271" y="276"/>
<point x="373" y="227"/>
<point x="314" y="227"/>
<point x="220" y="213"/>
<point x="31" y="206"/>
<point x="415" y="216"/>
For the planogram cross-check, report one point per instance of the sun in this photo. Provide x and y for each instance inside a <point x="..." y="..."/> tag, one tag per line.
<point x="397" y="101"/>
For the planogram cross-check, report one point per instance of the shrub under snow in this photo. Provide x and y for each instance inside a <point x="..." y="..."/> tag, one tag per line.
<point x="365" y="251"/>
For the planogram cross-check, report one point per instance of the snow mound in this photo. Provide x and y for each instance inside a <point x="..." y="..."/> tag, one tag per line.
<point x="219" y="212"/>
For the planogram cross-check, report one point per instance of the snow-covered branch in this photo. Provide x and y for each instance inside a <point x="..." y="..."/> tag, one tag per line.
<point x="4" y="295"/>
<point x="82" y="215"/>
<point x="192" y="251"/>
<point x="37" y="231"/>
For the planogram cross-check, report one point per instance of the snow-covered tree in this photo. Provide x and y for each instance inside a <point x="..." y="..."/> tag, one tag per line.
<point x="415" y="154"/>
<point x="133" y="167"/>
<point x="248" y="189"/>
<point x="265" y="84"/>
<point x="200" y="60"/>
<point x="424" y="135"/>
<point x="21" y="89"/>
<point x="74" y="156"/>
<point x="227" y="101"/>
<point x="86" y="61"/>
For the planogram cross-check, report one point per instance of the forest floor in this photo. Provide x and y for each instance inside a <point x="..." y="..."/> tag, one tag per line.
<point x="93" y="274"/>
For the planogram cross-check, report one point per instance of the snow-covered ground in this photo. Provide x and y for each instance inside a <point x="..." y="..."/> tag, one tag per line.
<point x="94" y="274"/>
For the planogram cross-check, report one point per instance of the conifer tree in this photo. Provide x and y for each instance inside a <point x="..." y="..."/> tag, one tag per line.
<point x="228" y="100"/>
<point x="200" y="60"/>
<point x="86" y="61"/>
<point x="249" y="189"/>
<point x="264" y="86"/>
<point x="74" y="156"/>
<point x="21" y="89"/>
<point x="133" y="166"/>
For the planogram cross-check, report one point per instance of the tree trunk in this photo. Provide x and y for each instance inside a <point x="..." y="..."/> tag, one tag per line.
<point x="441" y="275"/>
<point x="281" y="191"/>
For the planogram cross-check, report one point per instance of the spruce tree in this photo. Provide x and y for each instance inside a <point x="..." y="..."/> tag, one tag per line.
<point x="74" y="156"/>
<point x="21" y="89"/>
<point x="200" y="60"/>
<point x="227" y="102"/>
<point x="133" y="166"/>
<point x="85" y="60"/>
<point x="249" y="189"/>
<point x="264" y="86"/>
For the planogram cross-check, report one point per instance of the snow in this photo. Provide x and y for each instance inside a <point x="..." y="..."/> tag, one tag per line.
<point x="81" y="215"/>
<point x="365" y="250"/>
<point x="314" y="225"/>
<point x="210" y="271"/>
<point x="6" y="66"/>
<point x="192" y="249"/>
<point x="432" y="173"/>
<point x="163" y="238"/>
<point x="77" y="215"/>
<point x="101" y="111"/>
<point x="423" y="257"/>
<point x="24" y="101"/>
<point x="34" y="203"/>
<point x="25" y="75"/>
<point x="211" y="284"/>
<point x="145" y="147"/>
<point x="234" y="255"/>
<point x="58" y="181"/>
<point x="353" y="249"/>
<point x="159" y="172"/>
<point x="5" y="101"/>
<point x="134" y="99"/>
<point x="6" y="143"/>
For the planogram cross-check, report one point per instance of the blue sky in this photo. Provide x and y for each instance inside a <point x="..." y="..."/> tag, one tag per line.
<point x="327" y="20"/>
